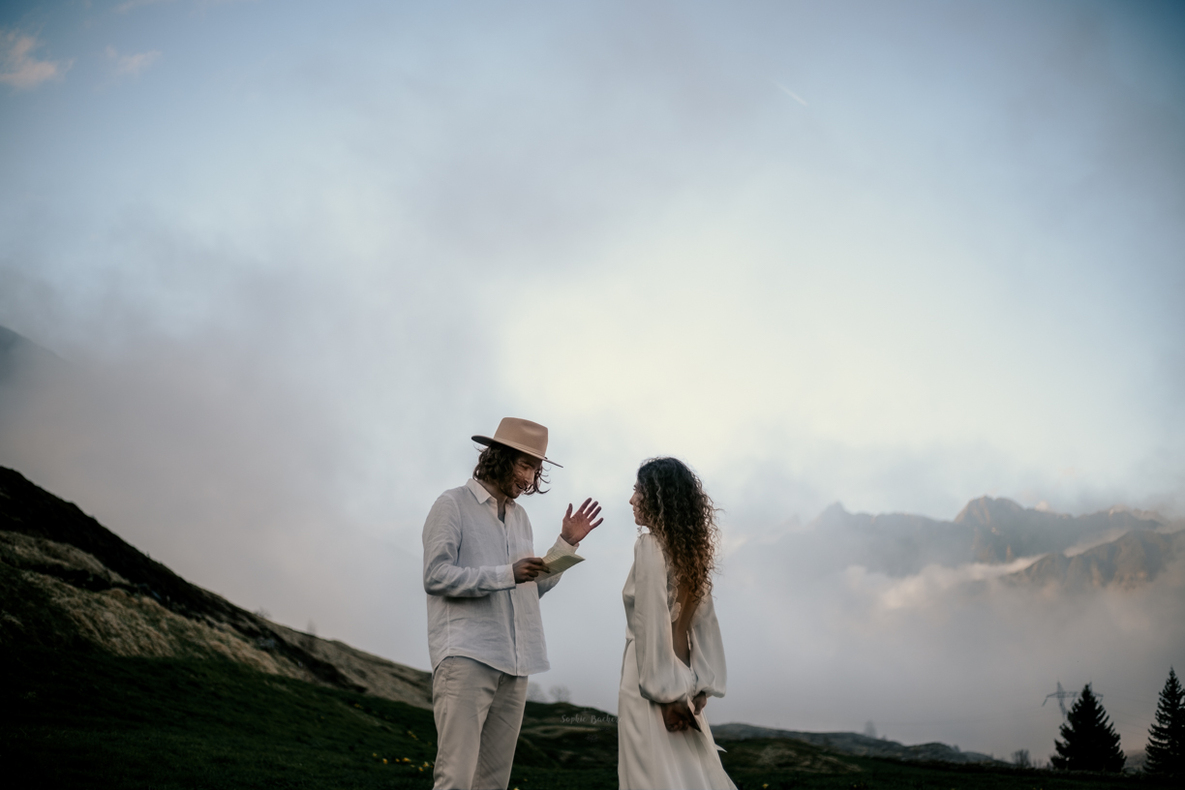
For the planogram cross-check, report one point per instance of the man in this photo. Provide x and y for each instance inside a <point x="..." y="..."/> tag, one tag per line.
<point x="485" y="634"/>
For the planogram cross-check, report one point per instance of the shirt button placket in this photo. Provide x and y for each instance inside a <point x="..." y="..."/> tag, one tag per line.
<point x="514" y="590"/>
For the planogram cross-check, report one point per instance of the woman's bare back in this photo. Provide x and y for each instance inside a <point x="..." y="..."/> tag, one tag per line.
<point x="681" y="625"/>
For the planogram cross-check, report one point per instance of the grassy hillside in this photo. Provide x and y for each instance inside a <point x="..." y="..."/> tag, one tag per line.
<point x="91" y="720"/>
<point x="67" y="580"/>
<point x="88" y="719"/>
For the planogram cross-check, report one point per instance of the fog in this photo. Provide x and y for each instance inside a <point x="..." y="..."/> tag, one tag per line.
<point x="290" y="262"/>
<point x="948" y="654"/>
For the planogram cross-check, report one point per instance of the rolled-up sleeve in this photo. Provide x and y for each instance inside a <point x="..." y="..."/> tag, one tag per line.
<point x="442" y="573"/>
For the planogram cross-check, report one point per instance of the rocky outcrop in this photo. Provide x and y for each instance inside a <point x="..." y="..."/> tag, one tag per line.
<point x="69" y="582"/>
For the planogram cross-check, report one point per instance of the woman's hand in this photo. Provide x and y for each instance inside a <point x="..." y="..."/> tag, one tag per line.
<point x="678" y="717"/>
<point x="699" y="702"/>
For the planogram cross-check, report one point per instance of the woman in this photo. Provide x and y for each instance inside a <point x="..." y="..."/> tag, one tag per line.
<point x="674" y="659"/>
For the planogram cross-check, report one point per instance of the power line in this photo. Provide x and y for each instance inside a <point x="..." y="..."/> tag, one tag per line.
<point x="1062" y="695"/>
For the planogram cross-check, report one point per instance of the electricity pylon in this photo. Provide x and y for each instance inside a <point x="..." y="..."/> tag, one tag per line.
<point x="1062" y="695"/>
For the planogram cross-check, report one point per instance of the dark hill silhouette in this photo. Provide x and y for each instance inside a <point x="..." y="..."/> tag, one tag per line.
<point x="854" y="743"/>
<point x="67" y="581"/>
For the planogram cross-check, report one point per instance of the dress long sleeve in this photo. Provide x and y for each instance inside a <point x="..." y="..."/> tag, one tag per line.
<point x="662" y="677"/>
<point x="707" y="651"/>
<point x="649" y="756"/>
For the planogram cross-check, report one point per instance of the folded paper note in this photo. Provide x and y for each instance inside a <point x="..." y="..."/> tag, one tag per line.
<point x="557" y="563"/>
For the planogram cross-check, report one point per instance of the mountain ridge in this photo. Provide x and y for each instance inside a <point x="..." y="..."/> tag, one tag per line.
<point x="987" y="530"/>
<point x="1131" y="560"/>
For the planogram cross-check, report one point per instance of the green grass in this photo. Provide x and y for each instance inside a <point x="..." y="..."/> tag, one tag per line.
<point x="742" y="763"/>
<point x="94" y="720"/>
<point x="91" y="720"/>
<point x="879" y="773"/>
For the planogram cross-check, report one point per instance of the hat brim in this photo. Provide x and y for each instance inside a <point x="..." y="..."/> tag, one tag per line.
<point x="487" y="441"/>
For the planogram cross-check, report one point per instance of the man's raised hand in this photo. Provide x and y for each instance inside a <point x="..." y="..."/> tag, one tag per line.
<point x="526" y="569"/>
<point x="577" y="526"/>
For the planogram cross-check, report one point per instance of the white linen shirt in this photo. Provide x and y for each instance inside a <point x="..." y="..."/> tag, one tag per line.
<point x="474" y="607"/>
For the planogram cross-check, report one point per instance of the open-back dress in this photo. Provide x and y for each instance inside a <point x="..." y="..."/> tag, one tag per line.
<point x="650" y="757"/>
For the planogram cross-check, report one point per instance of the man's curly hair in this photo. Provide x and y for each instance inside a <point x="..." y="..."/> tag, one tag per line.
<point x="496" y="465"/>
<point x="683" y="519"/>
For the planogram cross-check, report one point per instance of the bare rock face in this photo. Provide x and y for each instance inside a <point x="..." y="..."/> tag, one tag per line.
<point x="67" y="582"/>
<point x="1131" y="561"/>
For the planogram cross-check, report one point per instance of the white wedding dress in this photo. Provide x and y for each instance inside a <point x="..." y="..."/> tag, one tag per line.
<point x="649" y="757"/>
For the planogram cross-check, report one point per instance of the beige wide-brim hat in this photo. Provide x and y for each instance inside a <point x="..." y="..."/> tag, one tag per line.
<point x="522" y="435"/>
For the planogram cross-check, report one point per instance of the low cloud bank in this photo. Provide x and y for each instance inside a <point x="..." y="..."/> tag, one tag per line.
<point x="963" y="654"/>
<point x="242" y="483"/>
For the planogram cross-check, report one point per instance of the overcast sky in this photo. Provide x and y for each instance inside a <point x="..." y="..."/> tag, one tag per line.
<point x="898" y="255"/>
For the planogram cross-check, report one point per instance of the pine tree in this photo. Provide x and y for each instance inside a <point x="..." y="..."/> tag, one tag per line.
<point x="1089" y="742"/>
<point x="1166" y="738"/>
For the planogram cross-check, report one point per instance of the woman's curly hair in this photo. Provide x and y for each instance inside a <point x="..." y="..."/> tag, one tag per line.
<point x="496" y="465"/>
<point x="683" y="519"/>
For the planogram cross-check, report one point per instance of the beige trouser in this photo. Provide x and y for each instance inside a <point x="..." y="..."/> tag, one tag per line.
<point x="479" y="711"/>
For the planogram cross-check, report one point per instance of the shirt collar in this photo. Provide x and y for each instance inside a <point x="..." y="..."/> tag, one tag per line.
<point x="479" y="491"/>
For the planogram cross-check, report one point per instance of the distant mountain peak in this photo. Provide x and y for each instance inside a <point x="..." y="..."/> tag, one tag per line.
<point x="833" y="516"/>
<point x="986" y="510"/>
